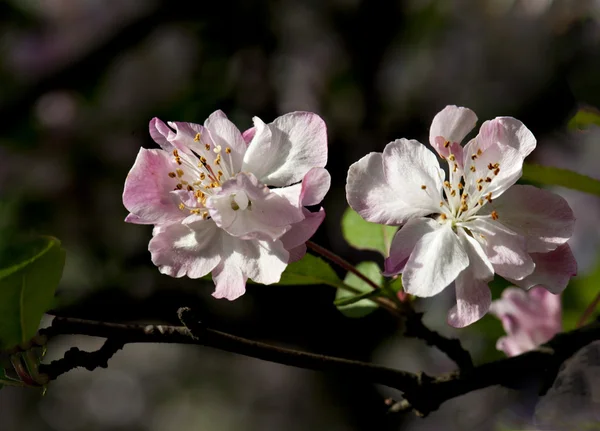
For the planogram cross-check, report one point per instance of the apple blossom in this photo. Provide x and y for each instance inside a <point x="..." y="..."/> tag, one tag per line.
<point x="472" y="225"/>
<point x="230" y="203"/>
<point x="529" y="318"/>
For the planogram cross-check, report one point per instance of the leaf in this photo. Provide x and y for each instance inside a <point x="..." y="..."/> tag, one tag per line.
<point x="310" y="270"/>
<point x="584" y="118"/>
<point x="359" y="306"/>
<point x="27" y="286"/>
<point x="561" y="177"/>
<point x="364" y="235"/>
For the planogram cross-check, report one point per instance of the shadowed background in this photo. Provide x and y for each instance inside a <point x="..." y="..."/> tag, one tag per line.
<point x="79" y="82"/>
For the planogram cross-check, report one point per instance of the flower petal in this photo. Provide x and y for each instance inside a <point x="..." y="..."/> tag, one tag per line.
<point x="230" y="282"/>
<point x="303" y="230"/>
<point x="147" y="187"/>
<point x="192" y="250"/>
<point x="298" y="143"/>
<point x="496" y="181"/>
<point x="452" y="124"/>
<point x="404" y="242"/>
<point x="265" y="215"/>
<point x="473" y="296"/>
<point x="224" y="134"/>
<point x="436" y="261"/>
<point x="162" y="134"/>
<point x="297" y="253"/>
<point x="387" y="188"/>
<point x="508" y="131"/>
<point x="553" y="270"/>
<point x="473" y="299"/>
<point x="543" y="218"/>
<point x="315" y="186"/>
<point x="504" y="248"/>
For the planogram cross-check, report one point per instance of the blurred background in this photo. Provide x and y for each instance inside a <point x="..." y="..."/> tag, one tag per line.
<point x="79" y="82"/>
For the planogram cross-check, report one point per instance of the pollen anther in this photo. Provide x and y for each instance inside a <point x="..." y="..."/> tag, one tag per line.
<point x="494" y="215"/>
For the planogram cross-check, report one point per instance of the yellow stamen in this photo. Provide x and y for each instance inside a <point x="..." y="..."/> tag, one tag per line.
<point x="197" y="137"/>
<point x="172" y="174"/>
<point x="494" y="215"/>
<point x="227" y="150"/>
<point x="423" y="187"/>
<point x="473" y="168"/>
<point x="181" y="206"/>
<point x="179" y="172"/>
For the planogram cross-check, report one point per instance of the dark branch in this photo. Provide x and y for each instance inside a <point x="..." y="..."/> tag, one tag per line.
<point x="423" y="393"/>
<point x="450" y="346"/>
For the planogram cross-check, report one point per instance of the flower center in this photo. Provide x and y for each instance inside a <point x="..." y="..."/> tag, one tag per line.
<point x="201" y="173"/>
<point x="467" y="189"/>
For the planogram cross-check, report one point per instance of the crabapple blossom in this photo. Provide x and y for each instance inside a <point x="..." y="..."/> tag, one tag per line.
<point x="230" y="203"/>
<point x="529" y="318"/>
<point x="471" y="224"/>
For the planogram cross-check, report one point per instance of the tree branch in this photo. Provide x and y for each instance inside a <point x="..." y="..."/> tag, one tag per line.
<point x="450" y="346"/>
<point x="423" y="393"/>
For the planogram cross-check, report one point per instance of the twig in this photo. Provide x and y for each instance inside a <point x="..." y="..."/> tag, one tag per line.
<point x="384" y="302"/>
<point x="424" y="393"/>
<point x="588" y="311"/>
<point x="450" y="346"/>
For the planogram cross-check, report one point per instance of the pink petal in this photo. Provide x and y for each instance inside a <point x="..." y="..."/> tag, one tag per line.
<point x="315" y="186"/>
<point x="298" y="143"/>
<point x="504" y="248"/>
<point x="297" y="253"/>
<point x="249" y="134"/>
<point x="303" y="230"/>
<point x="147" y="187"/>
<point x="186" y="250"/>
<point x="436" y="261"/>
<point x="404" y="242"/>
<point x="161" y="134"/>
<point x="553" y="270"/>
<point x="451" y="124"/>
<point x="225" y="134"/>
<point x="508" y="131"/>
<point x="269" y="216"/>
<point x="543" y="218"/>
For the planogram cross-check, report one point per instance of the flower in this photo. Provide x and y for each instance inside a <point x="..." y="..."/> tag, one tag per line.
<point x="468" y="227"/>
<point x="230" y="203"/>
<point x="529" y="318"/>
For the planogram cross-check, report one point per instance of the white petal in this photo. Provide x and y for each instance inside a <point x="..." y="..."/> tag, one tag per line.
<point x="304" y="230"/>
<point x="473" y="296"/>
<point x="543" y="218"/>
<point x="261" y="152"/>
<point x="387" y="188"/>
<point x="298" y="143"/>
<point x="230" y="282"/>
<point x="404" y="242"/>
<point x="509" y="161"/>
<point x="315" y="186"/>
<point x="224" y="133"/>
<point x="192" y="250"/>
<point x="504" y="248"/>
<point x="473" y="299"/>
<point x="435" y="262"/>
<point x="267" y="216"/>
<point x="452" y="123"/>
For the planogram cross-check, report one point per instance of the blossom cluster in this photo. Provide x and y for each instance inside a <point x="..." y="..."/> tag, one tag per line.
<point x="234" y="204"/>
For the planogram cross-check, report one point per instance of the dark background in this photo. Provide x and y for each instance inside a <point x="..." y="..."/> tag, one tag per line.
<point x="79" y="82"/>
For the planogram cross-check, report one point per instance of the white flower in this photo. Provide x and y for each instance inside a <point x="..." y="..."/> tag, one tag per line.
<point x="465" y="228"/>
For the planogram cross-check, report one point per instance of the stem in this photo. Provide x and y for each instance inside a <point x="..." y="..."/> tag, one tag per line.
<point x="383" y="302"/>
<point x="341" y="262"/>
<point x="588" y="311"/>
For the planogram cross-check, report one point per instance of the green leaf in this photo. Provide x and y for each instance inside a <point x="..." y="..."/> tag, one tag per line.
<point x="310" y="270"/>
<point x="28" y="281"/>
<point x="359" y="305"/>
<point x="560" y="177"/>
<point x="584" y="118"/>
<point x="364" y="235"/>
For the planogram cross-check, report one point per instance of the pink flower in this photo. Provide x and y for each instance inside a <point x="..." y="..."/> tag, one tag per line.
<point x="529" y="318"/>
<point x="464" y="229"/>
<point x="230" y="203"/>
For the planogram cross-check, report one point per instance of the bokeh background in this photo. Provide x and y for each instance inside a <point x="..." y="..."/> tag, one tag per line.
<point x="79" y="82"/>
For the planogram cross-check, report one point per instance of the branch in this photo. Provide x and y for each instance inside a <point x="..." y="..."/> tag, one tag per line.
<point x="423" y="393"/>
<point x="450" y="346"/>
